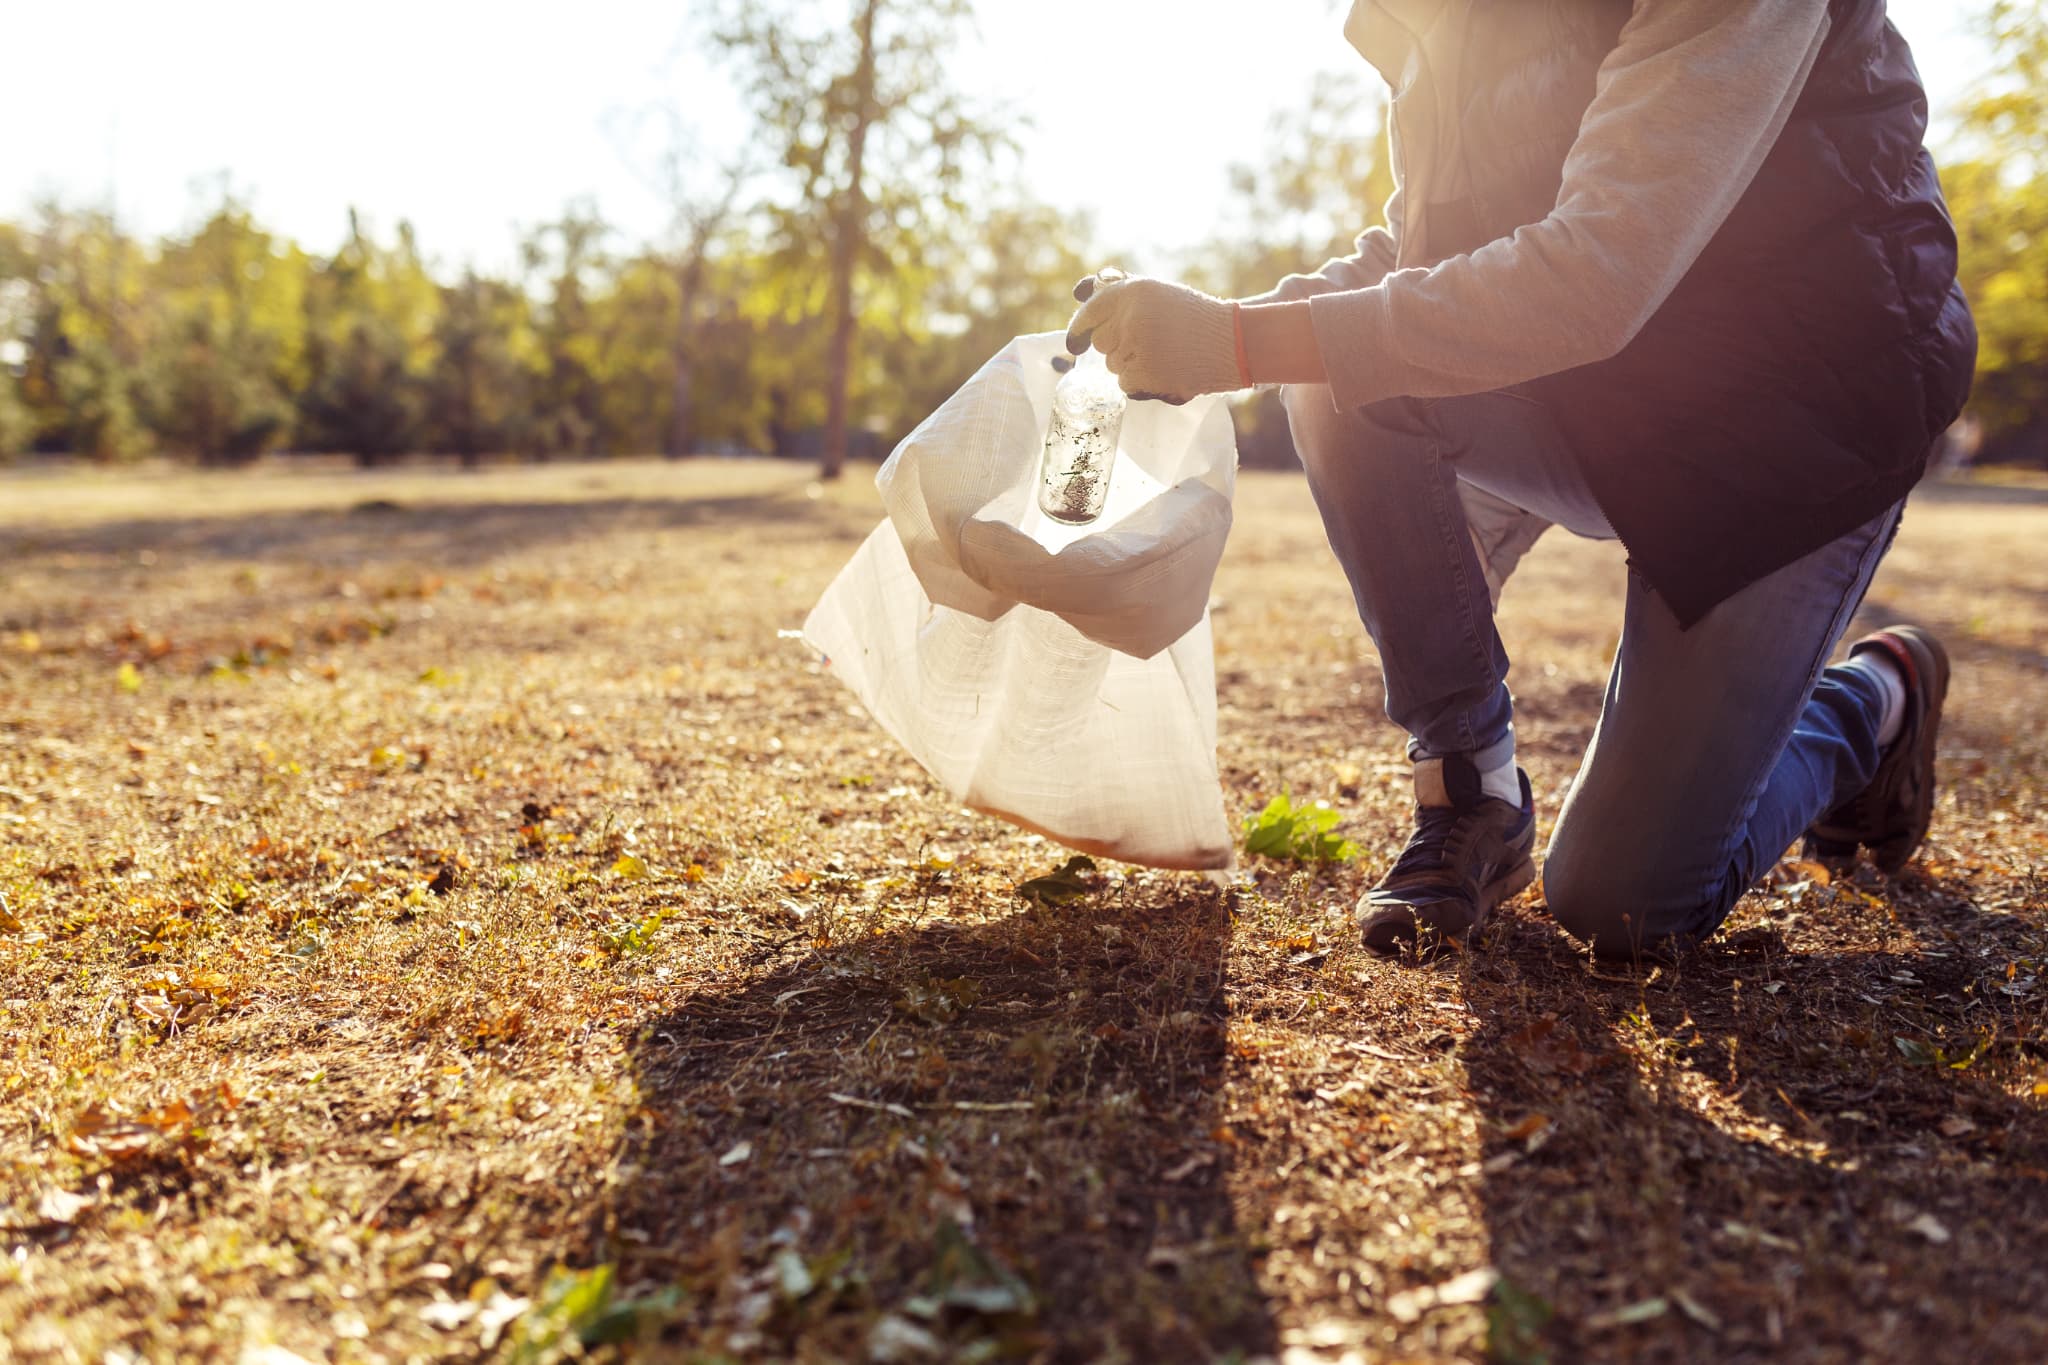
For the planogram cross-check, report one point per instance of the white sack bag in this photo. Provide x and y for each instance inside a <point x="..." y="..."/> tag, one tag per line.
<point x="1058" y="677"/>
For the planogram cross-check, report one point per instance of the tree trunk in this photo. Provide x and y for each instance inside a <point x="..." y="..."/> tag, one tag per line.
<point x="682" y="433"/>
<point x="846" y="244"/>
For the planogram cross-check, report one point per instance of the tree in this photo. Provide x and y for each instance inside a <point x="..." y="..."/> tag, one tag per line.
<point x="703" y="199"/>
<point x="89" y="326"/>
<point x="563" y="261"/>
<point x="1014" y="274"/>
<point x="874" y="140"/>
<point x="17" y="294"/>
<point x="1998" y="193"/>
<point x="370" y="322"/>
<point x="231" y="350"/>
<point x="477" y="394"/>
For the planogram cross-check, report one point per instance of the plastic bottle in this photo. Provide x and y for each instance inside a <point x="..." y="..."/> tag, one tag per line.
<point x="1080" y="442"/>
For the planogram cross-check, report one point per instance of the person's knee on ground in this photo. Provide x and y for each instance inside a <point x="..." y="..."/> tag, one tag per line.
<point x="1621" y="913"/>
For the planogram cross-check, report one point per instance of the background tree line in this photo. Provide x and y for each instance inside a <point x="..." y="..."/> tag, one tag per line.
<point x="821" y="293"/>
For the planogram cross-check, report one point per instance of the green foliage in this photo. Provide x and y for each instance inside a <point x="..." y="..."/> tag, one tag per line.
<point x="230" y="344"/>
<point x="370" y="321"/>
<point x="578" y="1310"/>
<point x="1998" y="193"/>
<point x="876" y="148"/>
<point x="17" y="423"/>
<point x="477" y="394"/>
<point x="1294" y="833"/>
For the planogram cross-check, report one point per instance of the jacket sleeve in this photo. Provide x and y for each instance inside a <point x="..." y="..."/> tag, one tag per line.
<point x="1685" y="109"/>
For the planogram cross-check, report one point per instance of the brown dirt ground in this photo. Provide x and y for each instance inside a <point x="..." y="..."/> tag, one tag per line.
<point x="428" y="893"/>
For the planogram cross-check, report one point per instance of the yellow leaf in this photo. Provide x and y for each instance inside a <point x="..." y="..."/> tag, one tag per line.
<point x="631" y="867"/>
<point x="1817" y="873"/>
<point x="128" y="678"/>
<point x="694" y="872"/>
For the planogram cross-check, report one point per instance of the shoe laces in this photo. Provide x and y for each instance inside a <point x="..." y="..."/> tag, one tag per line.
<point x="1435" y="828"/>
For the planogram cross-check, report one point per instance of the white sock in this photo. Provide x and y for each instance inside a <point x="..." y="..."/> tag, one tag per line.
<point x="1501" y="782"/>
<point x="1873" y="664"/>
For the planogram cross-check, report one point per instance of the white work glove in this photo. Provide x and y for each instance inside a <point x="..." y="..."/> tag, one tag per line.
<point x="1162" y="340"/>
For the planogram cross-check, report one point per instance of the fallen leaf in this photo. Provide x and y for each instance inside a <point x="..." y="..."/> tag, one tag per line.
<point x="1528" y="1127"/>
<point x="62" y="1206"/>
<point x="448" y="1315"/>
<point x="1930" y="1227"/>
<point x="631" y="867"/>
<point x="1069" y="883"/>
<point x="1696" y="1310"/>
<point x="1471" y="1287"/>
<point x="855" y="1102"/>
<point x="1627" y="1316"/>
<point x="739" y="1152"/>
<point x="1742" y="1232"/>
<point x="1550" y="1048"/>
<point x="498" y="1313"/>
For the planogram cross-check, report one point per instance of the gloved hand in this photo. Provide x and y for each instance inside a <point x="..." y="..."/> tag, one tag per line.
<point x="1162" y="340"/>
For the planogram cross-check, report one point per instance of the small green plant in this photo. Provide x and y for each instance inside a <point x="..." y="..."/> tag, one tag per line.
<point x="579" y="1310"/>
<point x="1299" y="834"/>
<point x="629" y="938"/>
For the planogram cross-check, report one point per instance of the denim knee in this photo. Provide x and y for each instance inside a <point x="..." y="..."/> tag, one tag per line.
<point x="1619" y="913"/>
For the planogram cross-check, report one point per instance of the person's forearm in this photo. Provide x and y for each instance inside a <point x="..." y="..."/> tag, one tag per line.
<point x="1280" y="344"/>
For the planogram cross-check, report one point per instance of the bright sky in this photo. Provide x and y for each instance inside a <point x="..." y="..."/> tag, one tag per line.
<point x="471" y="118"/>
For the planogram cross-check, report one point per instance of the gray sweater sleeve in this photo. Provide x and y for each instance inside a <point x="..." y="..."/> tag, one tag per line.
<point x="1686" y="108"/>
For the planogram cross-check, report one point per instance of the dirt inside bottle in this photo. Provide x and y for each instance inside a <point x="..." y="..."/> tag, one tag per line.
<point x="1080" y="443"/>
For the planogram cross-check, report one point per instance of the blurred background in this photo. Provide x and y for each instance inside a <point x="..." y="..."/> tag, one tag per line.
<point x="388" y="231"/>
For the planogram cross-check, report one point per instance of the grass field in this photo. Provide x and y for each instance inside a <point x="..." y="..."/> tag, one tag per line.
<point x="443" y="919"/>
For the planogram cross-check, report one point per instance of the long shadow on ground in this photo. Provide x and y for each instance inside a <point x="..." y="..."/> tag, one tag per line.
<point x="1769" y="1154"/>
<point x="967" y="1136"/>
<point x="450" y="535"/>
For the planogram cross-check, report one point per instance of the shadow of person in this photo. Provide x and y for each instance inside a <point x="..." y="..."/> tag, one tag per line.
<point x="1828" y="1152"/>
<point x="993" y="1136"/>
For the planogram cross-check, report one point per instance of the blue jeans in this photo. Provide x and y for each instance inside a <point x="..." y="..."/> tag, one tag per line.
<point x="1717" y="746"/>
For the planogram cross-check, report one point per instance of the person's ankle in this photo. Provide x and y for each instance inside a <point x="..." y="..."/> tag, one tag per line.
<point x="1883" y="672"/>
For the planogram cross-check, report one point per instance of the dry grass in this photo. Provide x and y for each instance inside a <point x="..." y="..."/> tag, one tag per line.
<point x="464" y="882"/>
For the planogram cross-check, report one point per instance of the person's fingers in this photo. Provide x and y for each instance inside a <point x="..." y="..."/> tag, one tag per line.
<point x="1109" y="336"/>
<point x="1166" y="398"/>
<point x="1084" y="289"/>
<point x="1099" y="308"/>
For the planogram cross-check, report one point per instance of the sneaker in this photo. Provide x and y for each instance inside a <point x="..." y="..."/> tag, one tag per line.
<point x="1469" y="853"/>
<point x="1890" y="816"/>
